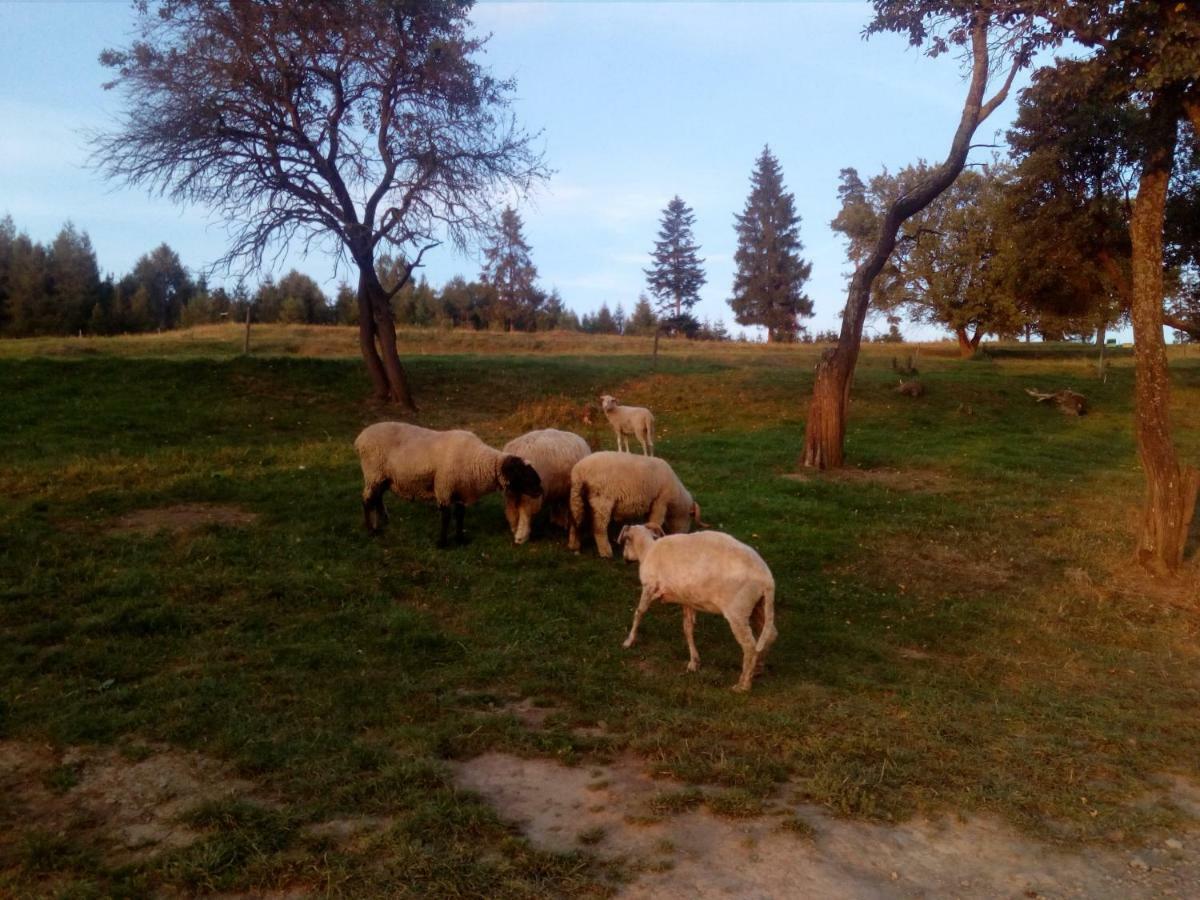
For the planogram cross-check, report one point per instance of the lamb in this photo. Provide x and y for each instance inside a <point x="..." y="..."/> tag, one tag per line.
<point x="626" y="420"/>
<point x="707" y="572"/>
<point x="553" y="453"/>
<point x="619" y="487"/>
<point x="454" y="468"/>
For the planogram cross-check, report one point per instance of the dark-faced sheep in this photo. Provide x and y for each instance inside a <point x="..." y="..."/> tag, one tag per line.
<point x="553" y="453"/>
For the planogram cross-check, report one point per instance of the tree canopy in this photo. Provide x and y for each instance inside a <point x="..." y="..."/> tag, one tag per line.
<point x="768" y="287"/>
<point x="676" y="273"/>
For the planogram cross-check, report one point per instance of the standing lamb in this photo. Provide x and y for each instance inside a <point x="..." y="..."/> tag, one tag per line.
<point x="619" y="487"/>
<point x="553" y="453"/>
<point x="627" y="420"/>
<point x="454" y="468"/>
<point x="710" y="572"/>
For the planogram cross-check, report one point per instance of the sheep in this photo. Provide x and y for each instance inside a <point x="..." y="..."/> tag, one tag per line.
<point x="553" y="453"/>
<point x="620" y="487"/>
<point x="626" y="420"/>
<point x="707" y="572"/>
<point x="453" y="468"/>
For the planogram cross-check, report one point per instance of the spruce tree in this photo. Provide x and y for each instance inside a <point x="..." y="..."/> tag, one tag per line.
<point x="677" y="274"/>
<point x="768" y="288"/>
<point x="509" y="269"/>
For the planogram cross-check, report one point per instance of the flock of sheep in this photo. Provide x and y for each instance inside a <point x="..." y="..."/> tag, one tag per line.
<point x="556" y="471"/>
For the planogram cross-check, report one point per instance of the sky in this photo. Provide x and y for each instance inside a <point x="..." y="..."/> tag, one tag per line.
<point x="634" y="103"/>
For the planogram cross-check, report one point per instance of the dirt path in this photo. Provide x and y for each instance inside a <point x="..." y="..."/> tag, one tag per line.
<point x="799" y="851"/>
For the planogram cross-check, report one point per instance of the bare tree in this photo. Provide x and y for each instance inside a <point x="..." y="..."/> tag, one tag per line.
<point x="360" y="126"/>
<point x="988" y="31"/>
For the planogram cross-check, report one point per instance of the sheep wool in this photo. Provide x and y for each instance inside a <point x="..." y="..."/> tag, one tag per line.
<point x="452" y="468"/>
<point x="619" y="487"/>
<point x="553" y="454"/>
<point x="706" y="572"/>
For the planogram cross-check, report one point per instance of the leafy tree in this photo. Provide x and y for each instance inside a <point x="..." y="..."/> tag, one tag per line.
<point x="166" y="283"/>
<point x="947" y="268"/>
<point x="301" y="299"/>
<point x="363" y="126"/>
<point x="467" y="303"/>
<point x="676" y="273"/>
<point x="1075" y="167"/>
<point x="983" y="32"/>
<point x="345" y="305"/>
<point x="72" y="282"/>
<point x="509" y="269"/>
<point x="1146" y="52"/>
<point x="768" y="285"/>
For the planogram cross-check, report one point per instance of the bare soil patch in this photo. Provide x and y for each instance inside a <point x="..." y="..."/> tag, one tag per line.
<point x="929" y="480"/>
<point x="128" y="809"/>
<point x="797" y="850"/>
<point x="180" y="518"/>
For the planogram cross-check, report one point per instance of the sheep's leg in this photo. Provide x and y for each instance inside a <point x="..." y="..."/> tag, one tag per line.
<point x="601" y="513"/>
<point x="745" y="637"/>
<point x="689" y="632"/>
<point x="374" y="513"/>
<point x="460" y="512"/>
<point x="658" y="512"/>
<point x="766" y="635"/>
<point x="644" y="604"/>
<point x="642" y="440"/>
<point x="444" y="536"/>
<point x="650" y="437"/>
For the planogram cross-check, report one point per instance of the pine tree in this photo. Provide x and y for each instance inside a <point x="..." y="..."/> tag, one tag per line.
<point x="642" y="319"/>
<point x="509" y="269"/>
<point x="768" y="285"/>
<point x="676" y="276"/>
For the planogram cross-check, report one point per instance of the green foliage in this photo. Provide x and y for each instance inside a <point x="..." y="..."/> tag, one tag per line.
<point x="509" y="270"/>
<point x="768" y="285"/>
<point x="676" y="274"/>
<point x="952" y="259"/>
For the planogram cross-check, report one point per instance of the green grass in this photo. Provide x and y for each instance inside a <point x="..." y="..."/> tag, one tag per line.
<point x="955" y="646"/>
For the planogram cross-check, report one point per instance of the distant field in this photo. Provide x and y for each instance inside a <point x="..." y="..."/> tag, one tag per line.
<point x="960" y="629"/>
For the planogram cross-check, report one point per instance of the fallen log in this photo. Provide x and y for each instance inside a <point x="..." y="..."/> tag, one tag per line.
<point x="1068" y="401"/>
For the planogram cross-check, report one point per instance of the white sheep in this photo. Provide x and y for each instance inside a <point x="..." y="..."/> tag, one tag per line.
<point x="553" y="453"/>
<point x="620" y="487"/>
<point x="453" y="468"/>
<point x="710" y="572"/>
<point x="626" y="420"/>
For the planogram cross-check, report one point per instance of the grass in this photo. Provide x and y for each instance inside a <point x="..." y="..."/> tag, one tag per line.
<point x="960" y="635"/>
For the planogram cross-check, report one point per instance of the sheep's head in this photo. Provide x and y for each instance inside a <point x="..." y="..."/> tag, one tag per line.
<point x="517" y="476"/>
<point x="635" y="538"/>
<point x="607" y="402"/>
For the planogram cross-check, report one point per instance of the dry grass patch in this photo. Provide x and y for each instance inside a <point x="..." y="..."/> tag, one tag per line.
<point x="182" y="517"/>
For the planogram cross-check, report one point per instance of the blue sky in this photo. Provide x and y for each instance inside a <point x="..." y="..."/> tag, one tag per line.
<point x="636" y="102"/>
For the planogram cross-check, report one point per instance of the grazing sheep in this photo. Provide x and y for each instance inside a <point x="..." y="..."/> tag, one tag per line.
<point x="454" y="468"/>
<point x="626" y="420"/>
<point x="709" y="572"/>
<point x="619" y="487"/>
<point x="553" y="453"/>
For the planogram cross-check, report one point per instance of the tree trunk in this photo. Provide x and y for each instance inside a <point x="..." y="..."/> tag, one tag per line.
<point x="825" y="430"/>
<point x="968" y="345"/>
<point x="377" y="340"/>
<point x="246" y="340"/>
<point x="1170" y="499"/>
<point x="1101" y="333"/>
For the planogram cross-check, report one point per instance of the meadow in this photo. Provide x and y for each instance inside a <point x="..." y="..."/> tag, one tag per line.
<point x="961" y="629"/>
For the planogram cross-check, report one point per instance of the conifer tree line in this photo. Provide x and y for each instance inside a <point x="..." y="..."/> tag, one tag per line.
<point x="58" y="289"/>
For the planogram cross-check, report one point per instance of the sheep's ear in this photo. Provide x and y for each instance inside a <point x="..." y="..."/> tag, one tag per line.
<point x="655" y="530"/>
<point x="623" y="535"/>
